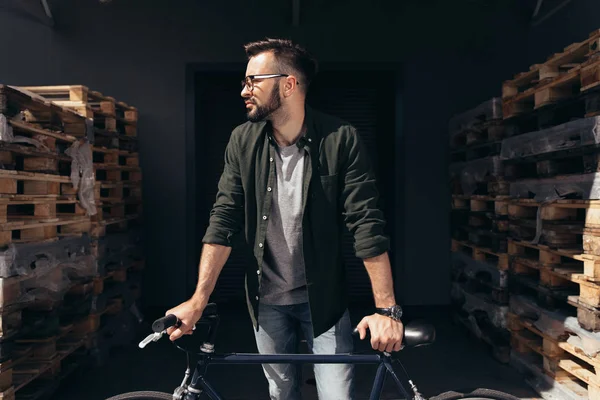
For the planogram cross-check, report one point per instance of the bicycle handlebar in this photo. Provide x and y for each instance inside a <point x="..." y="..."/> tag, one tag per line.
<point x="416" y="333"/>
<point x="166" y="322"/>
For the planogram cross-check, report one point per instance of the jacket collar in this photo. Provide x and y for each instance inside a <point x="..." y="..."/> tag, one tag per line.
<point x="305" y="140"/>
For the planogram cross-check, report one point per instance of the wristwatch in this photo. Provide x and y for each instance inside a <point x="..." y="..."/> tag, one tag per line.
<point x="394" y="312"/>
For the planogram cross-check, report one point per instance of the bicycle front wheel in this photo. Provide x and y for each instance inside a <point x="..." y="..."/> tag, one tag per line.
<point x="143" y="396"/>
<point x="477" y="394"/>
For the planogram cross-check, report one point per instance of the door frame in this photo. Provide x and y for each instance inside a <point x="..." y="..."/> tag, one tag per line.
<point x="192" y="71"/>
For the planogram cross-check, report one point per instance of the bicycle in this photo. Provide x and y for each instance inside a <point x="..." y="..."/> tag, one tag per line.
<point x="416" y="334"/>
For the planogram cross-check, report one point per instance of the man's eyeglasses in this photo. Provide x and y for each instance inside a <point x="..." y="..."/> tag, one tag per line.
<point x="248" y="82"/>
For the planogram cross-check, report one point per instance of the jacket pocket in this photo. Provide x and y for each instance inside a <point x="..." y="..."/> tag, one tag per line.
<point x="329" y="183"/>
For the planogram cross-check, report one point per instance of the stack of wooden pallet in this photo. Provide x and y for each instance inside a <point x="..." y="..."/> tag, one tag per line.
<point x="551" y="165"/>
<point x="546" y="169"/>
<point x="479" y="226"/>
<point x="70" y="254"/>
<point x="45" y="252"/>
<point x="116" y="236"/>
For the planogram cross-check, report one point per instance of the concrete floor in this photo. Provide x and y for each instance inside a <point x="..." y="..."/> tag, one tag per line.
<point x="455" y="361"/>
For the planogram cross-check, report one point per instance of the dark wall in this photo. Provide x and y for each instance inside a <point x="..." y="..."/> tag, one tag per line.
<point x="455" y="55"/>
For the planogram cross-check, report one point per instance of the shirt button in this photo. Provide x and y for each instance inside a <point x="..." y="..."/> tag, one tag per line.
<point x="309" y="139"/>
<point x="260" y="245"/>
<point x="269" y="189"/>
<point x="256" y="297"/>
<point x="264" y="217"/>
<point x="257" y="272"/>
<point x="271" y="159"/>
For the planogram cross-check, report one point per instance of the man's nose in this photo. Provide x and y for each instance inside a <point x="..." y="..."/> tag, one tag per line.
<point x="246" y="92"/>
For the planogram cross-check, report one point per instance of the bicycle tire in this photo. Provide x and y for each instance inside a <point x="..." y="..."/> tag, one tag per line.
<point x="477" y="394"/>
<point x="143" y="395"/>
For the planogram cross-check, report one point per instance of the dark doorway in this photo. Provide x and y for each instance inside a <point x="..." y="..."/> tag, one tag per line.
<point x="366" y="99"/>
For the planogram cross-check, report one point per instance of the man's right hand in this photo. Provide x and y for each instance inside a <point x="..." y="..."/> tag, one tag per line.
<point x="189" y="313"/>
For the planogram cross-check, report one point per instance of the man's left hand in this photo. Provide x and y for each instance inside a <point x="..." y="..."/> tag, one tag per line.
<point x="386" y="333"/>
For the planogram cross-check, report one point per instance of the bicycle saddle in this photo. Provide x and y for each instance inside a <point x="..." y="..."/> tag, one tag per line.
<point x="418" y="333"/>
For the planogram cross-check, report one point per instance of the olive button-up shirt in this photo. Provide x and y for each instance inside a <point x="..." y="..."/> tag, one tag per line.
<point x="339" y="188"/>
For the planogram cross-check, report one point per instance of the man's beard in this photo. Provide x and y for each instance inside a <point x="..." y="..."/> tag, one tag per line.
<point x="262" y="112"/>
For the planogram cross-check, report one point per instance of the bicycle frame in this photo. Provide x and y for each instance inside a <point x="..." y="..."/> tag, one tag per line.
<point x="200" y="385"/>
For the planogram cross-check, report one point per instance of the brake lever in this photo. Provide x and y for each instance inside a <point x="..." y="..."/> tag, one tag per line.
<point x="154" y="337"/>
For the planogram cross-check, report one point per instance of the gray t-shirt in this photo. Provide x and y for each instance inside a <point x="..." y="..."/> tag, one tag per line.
<point x="283" y="275"/>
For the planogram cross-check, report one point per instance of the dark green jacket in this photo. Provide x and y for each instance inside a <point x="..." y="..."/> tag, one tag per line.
<point x="339" y="187"/>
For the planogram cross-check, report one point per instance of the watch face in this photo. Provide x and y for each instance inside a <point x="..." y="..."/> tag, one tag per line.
<point x="397" y="312"/>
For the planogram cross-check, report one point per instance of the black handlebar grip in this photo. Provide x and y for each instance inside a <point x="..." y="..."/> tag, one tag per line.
<point x="165" y="322"/>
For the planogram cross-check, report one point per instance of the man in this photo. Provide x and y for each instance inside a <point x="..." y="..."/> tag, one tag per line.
<point x="292" y="177"/>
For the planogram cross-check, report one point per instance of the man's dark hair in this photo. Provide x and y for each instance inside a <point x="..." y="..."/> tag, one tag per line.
<point x="290" y="57"/>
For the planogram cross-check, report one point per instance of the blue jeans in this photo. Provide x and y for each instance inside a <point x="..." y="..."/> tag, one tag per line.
<point x="277" y="334"/>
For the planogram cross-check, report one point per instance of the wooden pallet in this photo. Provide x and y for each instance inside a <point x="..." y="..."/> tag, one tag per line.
<point x="557" y="78"/>
<point x="17" y="208"/>
<point x="557" y="290"/>
<point x="563" y="361"/>
<point x="481" y="254"/>
<point x="494" y="240"/>
<point x="23" y="106"/>
<point x="478" y="290"/>
<point x="31" y="183"/>
<point x="486" y="132"/>
<point x="481" y="177"/>
<point x="114" y="140"/>
<point x="114" y="225"/>
<point x="584" y="105"/>
<point x="484" y="212"/>
<point x="51" y="141"/>
<point x="494" y="339"/>
<point x="574" y="186"/>
<point x="108" y="114"/>
<point x="117" y="173"/>
<point x="583" y="160"/>
<point x="577" y="222"/>
<point x="107" y="211"/>
<point x="566" y="262"/>
<point x="559" y="278"/>
<point x="475" y="152"/>
<point x="40" y="228"/>
<point x="476" y="203"/>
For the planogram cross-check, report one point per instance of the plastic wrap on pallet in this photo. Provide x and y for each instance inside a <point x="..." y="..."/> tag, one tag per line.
<point x="47" y="285"/>
<point x="551" y="323"/>
<point x="585" y="186"/>
<point x="585" y="340"/>
<point x="472" y="304"/>
<point x="488" y="110"/>
<point x="90" y="130"/>
<point x="480" y="269"/>
<point x="6" y="131"/>
<point x="574" y="134"/>
<point x="82" y="175"/>
<point x="495" y="313"/>
<point x="80" y="267"/>
<point x="7" y="262"/>
<point x="38" y="145"/>
<point x="24" y="258"/>
<point x="546" y="386"/>
<point x="476" y="172"/>
<point x="523" y="307"/>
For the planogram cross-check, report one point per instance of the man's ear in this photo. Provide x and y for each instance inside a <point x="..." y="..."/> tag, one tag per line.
<point x="290" y="85"/>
